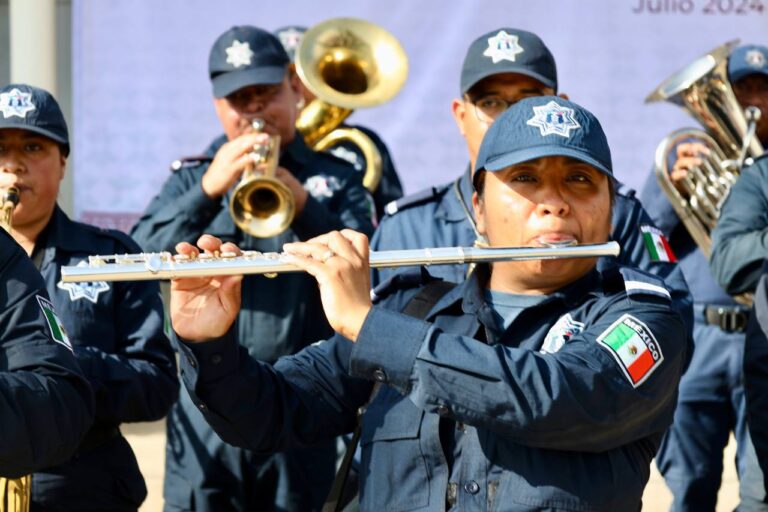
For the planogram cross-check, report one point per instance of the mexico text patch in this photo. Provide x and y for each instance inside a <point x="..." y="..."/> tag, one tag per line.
<point x="634" y="347"/>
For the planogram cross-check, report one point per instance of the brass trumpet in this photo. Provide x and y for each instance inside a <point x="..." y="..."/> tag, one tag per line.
<point x="261" y="205"/>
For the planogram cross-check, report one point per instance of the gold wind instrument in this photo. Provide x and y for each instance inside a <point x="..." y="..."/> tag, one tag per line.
<point x="10" y="200"/>
<point x="164" y="265"/>
<point x="14" y="492"/>
<point x="261" y="205"/>
<point x="702" y="89"/>
<point x="348" y="63"/>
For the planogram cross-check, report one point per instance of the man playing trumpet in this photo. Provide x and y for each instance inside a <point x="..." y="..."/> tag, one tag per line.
<point x="541" y="384"/>
<point x="251" y="79"/>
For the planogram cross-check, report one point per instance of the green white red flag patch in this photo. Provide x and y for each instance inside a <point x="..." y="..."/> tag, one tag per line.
<point x="657" y="244"/>
<point x="634" y="347"/>
<point x="58" y="333"/>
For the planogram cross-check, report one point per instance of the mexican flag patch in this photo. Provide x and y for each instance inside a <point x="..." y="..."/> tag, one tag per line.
<point x="634" y="347"/>
<point x="58" y="333"/>
<point x="657" y="244"/>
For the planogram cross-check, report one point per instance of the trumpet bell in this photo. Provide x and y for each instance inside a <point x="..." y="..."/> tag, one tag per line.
<point x="351" y="63"/>
<point x="262" y="206"/>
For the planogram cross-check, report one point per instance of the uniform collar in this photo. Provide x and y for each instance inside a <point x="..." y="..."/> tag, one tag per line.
<point x="571" y="295"/>
<point x="451" y="208"/>
<point x="62" y="233"/>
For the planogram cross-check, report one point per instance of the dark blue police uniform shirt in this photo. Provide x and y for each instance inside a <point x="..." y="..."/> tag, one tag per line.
<point x="552" y="420"/>
<point x="46" y="401"/>
<point x="116" y="330"/>
<point x="437" y="217"/>
<point x="739" y="242"/>
<point x="390" y="188"/>
<point x="286" y="308"/>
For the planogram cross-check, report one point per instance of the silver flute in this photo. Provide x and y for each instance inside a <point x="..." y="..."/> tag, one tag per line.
<point x="164" y="265"/>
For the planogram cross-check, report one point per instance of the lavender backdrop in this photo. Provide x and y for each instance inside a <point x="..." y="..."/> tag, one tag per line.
<point x="142" y="96"/>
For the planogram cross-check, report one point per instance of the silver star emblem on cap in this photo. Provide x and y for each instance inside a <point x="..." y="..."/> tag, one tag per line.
<point x="239" y="54"/>
<point x="16" y="103"/>
<point x="503" y="46"/>
<point x="755" y="58"/>
<point x="554" y="119"/>
<point x="290" y="38"/>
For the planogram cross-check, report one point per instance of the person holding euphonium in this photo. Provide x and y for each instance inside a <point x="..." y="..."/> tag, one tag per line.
<point x="533" y="384"/>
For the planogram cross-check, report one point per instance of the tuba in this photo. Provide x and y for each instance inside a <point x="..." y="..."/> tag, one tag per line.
<point x="702" y="88"/>
<point x="347" y="63"/>
<point x="261" y="205"/>
<point x="14" y="492"/>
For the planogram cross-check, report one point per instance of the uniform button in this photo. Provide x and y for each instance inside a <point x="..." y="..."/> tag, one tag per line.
<point x="216" y="358"/>
<point x="202" y="407"/>
<point x="442" y="410"/>
<point x="472" y="487"/>
<point x="191" y="362"/>
<point x="379" y="375"/>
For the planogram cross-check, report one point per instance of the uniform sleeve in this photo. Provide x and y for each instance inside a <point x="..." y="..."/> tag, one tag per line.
<point x="756" y="373"/>
<point x="350" y="208"/>
<point x="740" y="239"/>
<point x="658" y="207"/>
<point x="46" y="402"/>
<point x="578" y="398"/>
<point x="300" y="400"/>
<point x="629" y="216"/>
<point x="181" y="212"/>
<point x="138" y="381"/>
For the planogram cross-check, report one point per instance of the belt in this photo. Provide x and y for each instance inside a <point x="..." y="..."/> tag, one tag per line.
<point x="98" y="436"/>
<point x="728" y="318"/>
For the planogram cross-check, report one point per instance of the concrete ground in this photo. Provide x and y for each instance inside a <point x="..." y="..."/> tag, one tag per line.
<point x="148" y="441"/>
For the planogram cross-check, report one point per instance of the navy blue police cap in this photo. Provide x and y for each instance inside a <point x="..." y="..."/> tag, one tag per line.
<point x="747" y="60"/>
<point x="244" y="56"/>
<point x="36" y="110"/>
<point x="540" y="127"/>
<point x="290" y="37"/>
<point x="508" y="50"/>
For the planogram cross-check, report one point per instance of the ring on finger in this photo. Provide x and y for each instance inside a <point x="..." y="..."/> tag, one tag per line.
<point x="327" y="255"/>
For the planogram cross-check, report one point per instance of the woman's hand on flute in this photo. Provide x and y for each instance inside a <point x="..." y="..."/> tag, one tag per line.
<point x="203" y="308"/>
<point x="339" y="262"/>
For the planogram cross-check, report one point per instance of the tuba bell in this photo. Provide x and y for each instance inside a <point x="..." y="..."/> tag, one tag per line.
<point x="347" y="63"/>
<point x="261" y="205"/>
<point x="703" y="90"/>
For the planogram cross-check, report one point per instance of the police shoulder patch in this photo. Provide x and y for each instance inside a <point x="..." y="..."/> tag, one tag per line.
<point x="634" y="347"/>
<point x="565" y="328"/>
<point x="58" y="333"/>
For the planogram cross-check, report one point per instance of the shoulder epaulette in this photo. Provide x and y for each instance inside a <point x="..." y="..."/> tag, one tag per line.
<point x="415" y="199"/>
<point x="625" y="190"/>
<point x="190" y="161"/>
<point x="407" y="279"/>
<point x="637" y="282"/>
